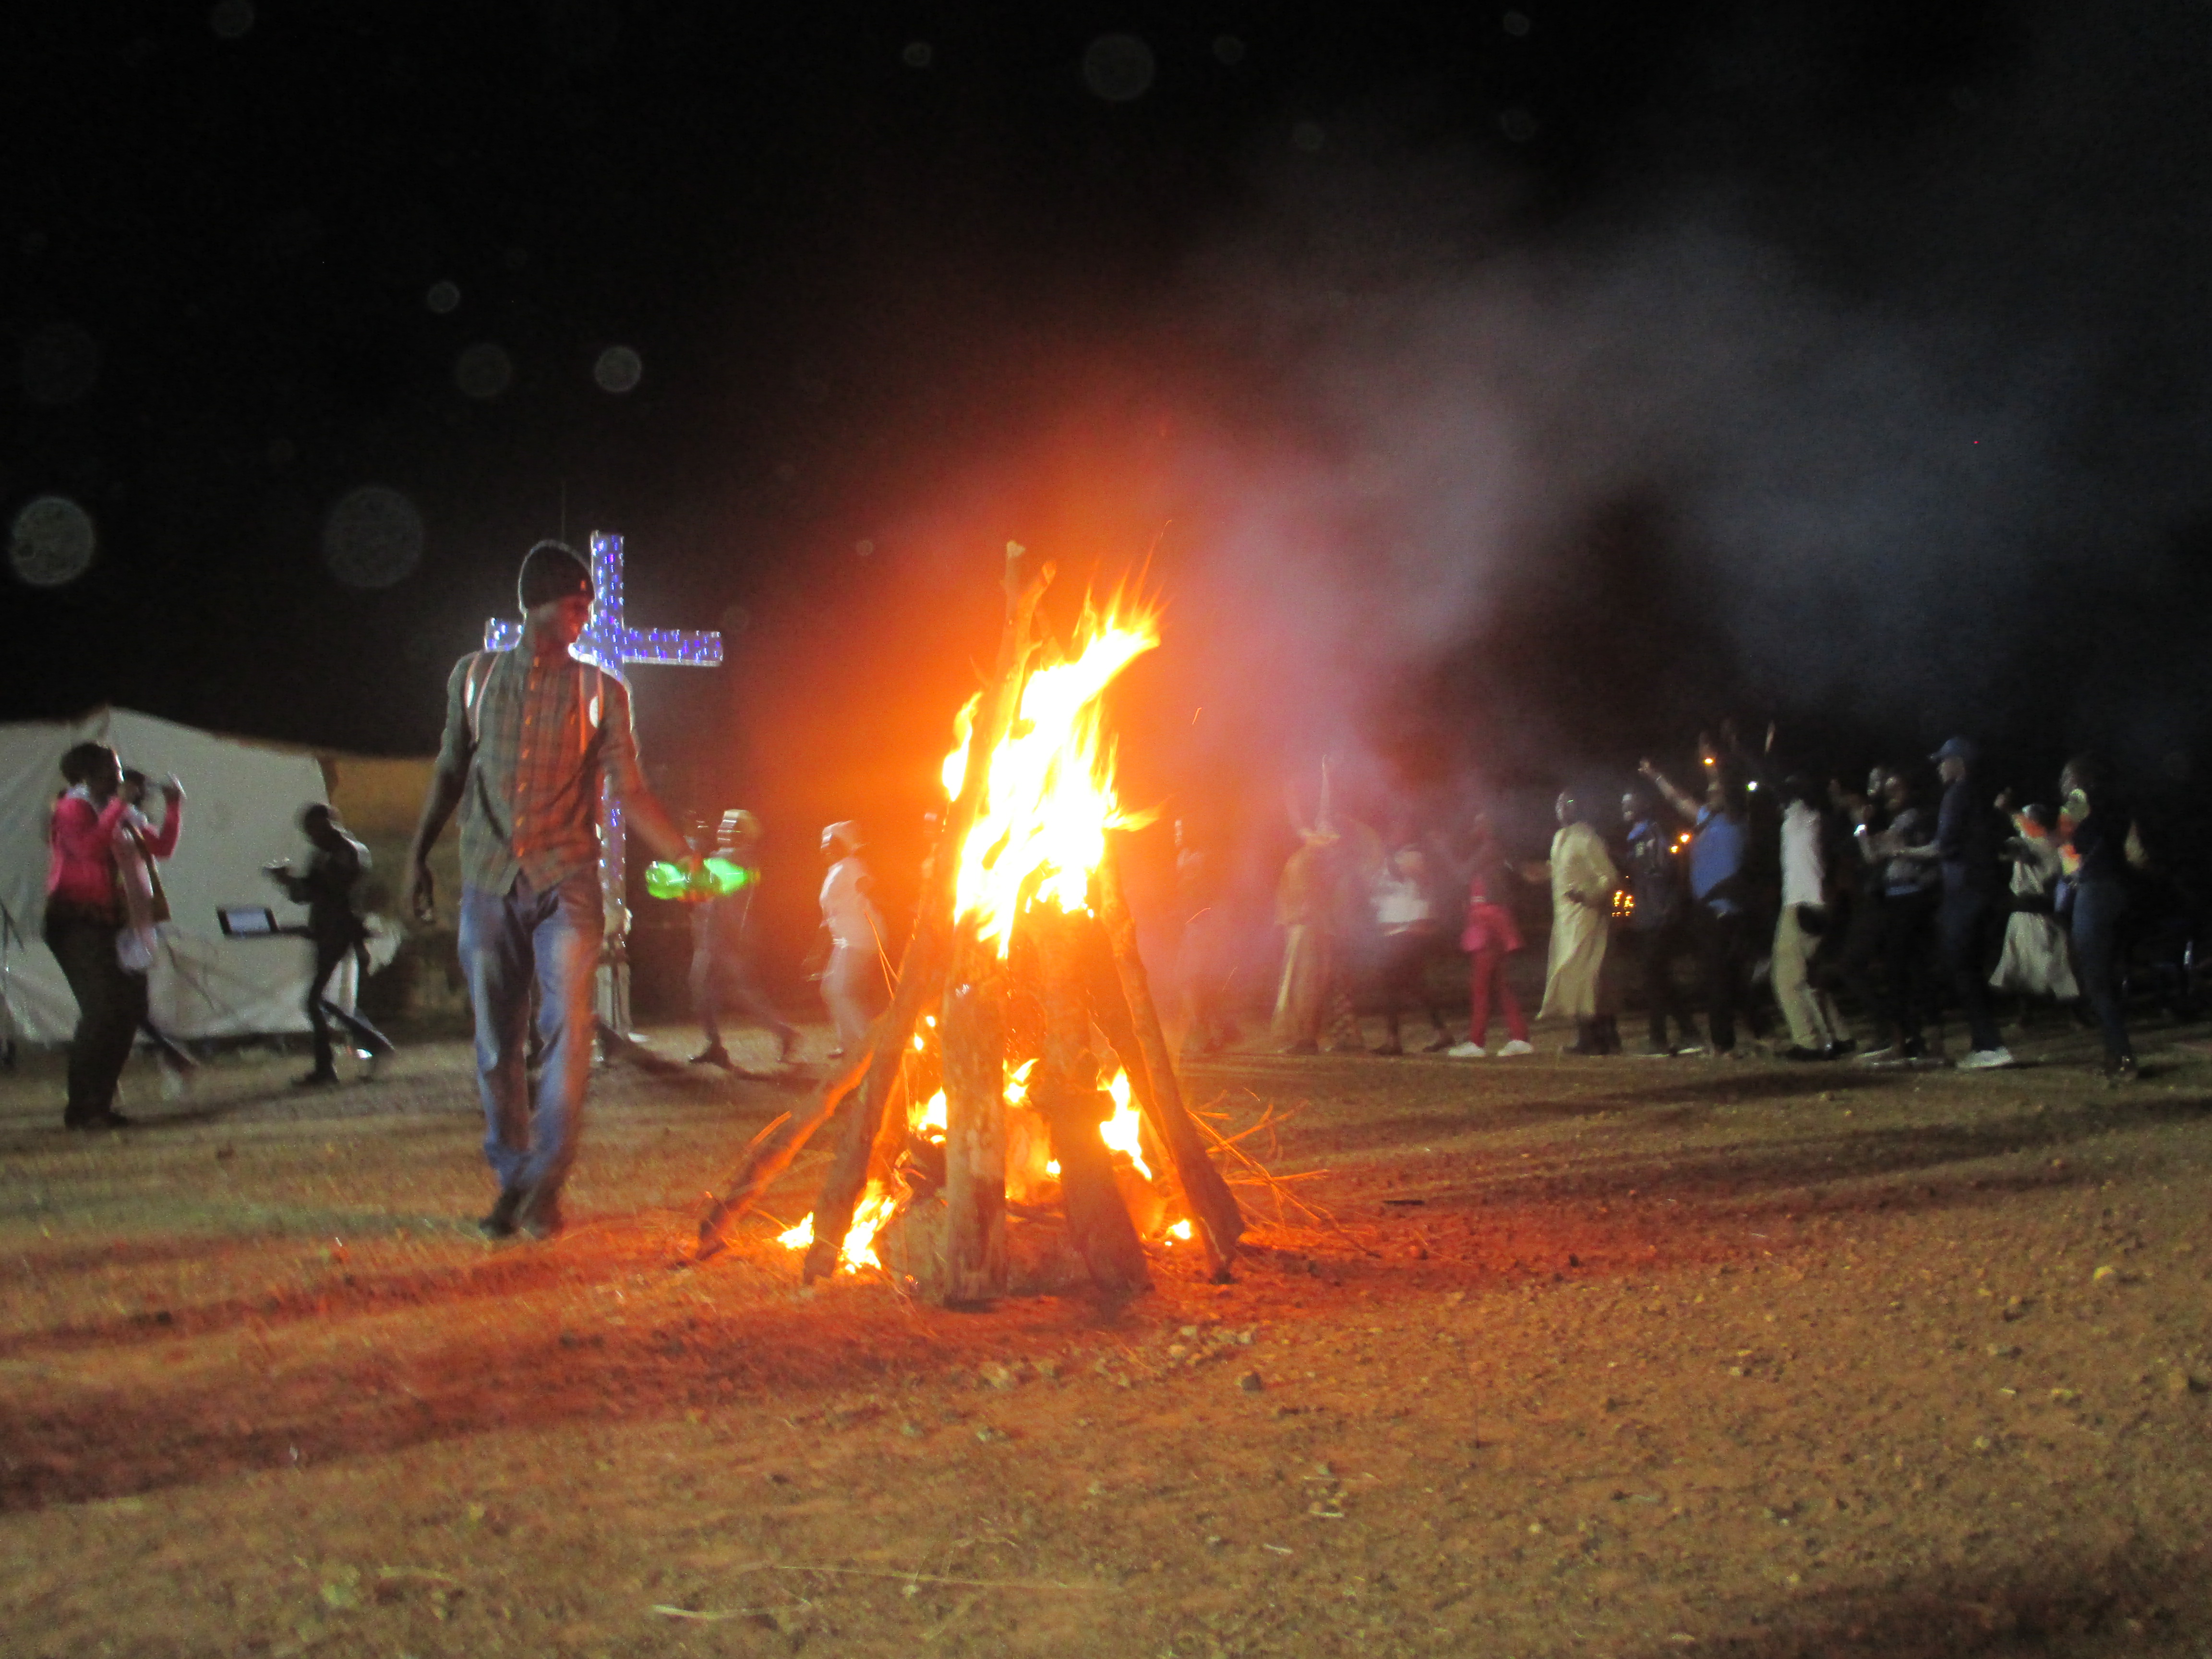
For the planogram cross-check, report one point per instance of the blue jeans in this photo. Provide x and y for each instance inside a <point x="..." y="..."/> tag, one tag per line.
<point x="2095" y="916"/>
<point x="507" y="941"/>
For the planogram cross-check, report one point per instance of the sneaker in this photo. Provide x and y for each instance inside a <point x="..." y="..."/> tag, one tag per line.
<point x="1988" y="1060"/>
<point x="1513" y="1049"/>
<point x="500" y="1223"/>
<point x="1467" y="1051"/>
<point x="370" y="1063"/>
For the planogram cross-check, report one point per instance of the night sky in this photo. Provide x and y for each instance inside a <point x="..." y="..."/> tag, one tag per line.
<point x="1494" y="393"/>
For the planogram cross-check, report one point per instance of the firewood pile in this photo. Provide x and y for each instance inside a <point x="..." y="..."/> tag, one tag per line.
<point x="1016" y="1124"/>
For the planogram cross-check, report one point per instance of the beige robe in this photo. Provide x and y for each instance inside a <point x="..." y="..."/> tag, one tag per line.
<point x="1583" y="880"/>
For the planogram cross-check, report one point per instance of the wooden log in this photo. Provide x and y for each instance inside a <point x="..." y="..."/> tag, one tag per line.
<point x="973" y="1029"/>
<point x="769" y="1156"/>
<point x="1213" y="1207"/>
<point x="928" y="953"/>
<point x="1064" y="1089"/>
<point x="920" y="968"/>
<point x="1110" y="1007"/>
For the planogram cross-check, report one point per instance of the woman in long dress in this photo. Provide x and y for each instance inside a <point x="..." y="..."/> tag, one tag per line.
<point x="2035" y="962"/>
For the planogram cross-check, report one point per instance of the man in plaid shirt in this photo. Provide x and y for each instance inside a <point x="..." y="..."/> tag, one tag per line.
<point x="531" y="735"/>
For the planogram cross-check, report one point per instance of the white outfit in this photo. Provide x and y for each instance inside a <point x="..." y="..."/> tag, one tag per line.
<point x="1815" y="1020"/>
<point x="1400" y="901"/>
<point x="2034" y="960"/>
<point x="849" y="979"/>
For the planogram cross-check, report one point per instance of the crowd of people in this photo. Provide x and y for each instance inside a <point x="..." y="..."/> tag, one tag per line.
<point x="1897" y="900"/>
<point x="1765" y="901"/>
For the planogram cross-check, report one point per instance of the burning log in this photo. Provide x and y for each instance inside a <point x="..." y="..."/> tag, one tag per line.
<point x="1066" y="1090"/>
<point x="921" y="970"/>
<point x="974" y="1037"/>
<point x="1121" y="1001"/>
<point x="769" y="1156"/>
<point x="1008" y="951"/>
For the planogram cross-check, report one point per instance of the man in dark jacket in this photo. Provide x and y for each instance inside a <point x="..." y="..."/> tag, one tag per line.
<point x="1658" y="920"/>
<point x="334" y="928"/>
<point x="1967" y="841"/>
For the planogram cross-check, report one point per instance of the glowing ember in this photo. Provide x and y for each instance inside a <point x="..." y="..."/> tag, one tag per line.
<point x="1048" y="798"/>
<point x="1180" y="1230"/>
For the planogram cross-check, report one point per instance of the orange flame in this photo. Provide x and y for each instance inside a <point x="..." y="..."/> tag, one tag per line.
<point x="1048" y="797"/>
<point x="1124" y="1131"/>
<point x="859" y="1250"/>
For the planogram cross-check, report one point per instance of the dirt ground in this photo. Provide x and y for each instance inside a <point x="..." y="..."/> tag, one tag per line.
<point x="1608" y="1356"/>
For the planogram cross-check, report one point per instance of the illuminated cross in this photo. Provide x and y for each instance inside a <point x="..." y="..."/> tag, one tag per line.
<point x="610" y="643"/>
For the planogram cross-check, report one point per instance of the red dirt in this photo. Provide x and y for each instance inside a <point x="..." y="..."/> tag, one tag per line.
<point x="1611" y="1357"/>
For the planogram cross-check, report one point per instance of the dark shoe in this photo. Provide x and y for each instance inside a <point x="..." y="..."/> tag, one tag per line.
<point x="317" y="1079"/>
<point x="786" y="1045"/>
<point x="539" y="1214"/>
<point x="713" y="1054"/>
<point x="100" y="1120"/>
<point x="1392" y="1048"/>
<point x="500" y="1223"/>
<point x="1794" y="1052"/>
<point x="1442" y="1044"/>
<point x="1838" y="1049"/>
<point x="2121" y="1070"/>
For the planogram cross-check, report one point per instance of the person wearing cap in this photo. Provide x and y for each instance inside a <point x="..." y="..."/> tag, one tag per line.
<point x="721" y="944"/>
<point x="852" y="978"/>
<point x="531" y="735"/>
<point x="1967" y="838"/>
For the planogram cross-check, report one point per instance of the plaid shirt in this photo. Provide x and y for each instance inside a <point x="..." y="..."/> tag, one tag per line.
<point x="542" y="737"/>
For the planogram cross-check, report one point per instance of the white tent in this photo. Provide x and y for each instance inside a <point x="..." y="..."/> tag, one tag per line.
<point x="242" y="802"/>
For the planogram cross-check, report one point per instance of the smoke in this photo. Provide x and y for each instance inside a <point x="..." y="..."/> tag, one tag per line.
<point x="1901" y="427"/>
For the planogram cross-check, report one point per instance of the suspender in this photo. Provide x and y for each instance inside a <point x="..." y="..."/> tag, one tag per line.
<point x="479" y="675"/>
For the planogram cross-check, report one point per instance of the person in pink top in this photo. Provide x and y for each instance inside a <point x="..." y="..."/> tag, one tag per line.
<point x="1490" y="937"/>
<point x="84" y="921"/>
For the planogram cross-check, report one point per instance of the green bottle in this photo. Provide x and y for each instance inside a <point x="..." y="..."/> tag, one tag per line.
<point x="717" y="877"/>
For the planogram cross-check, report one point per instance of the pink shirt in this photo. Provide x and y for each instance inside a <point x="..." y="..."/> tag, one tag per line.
<point x="81" y="866"/>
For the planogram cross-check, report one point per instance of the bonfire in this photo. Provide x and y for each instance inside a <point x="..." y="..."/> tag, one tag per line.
<point x="1017" y="1120"/>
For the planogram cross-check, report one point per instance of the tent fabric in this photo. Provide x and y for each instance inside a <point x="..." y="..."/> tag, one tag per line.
<point x="242" y="802"/>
